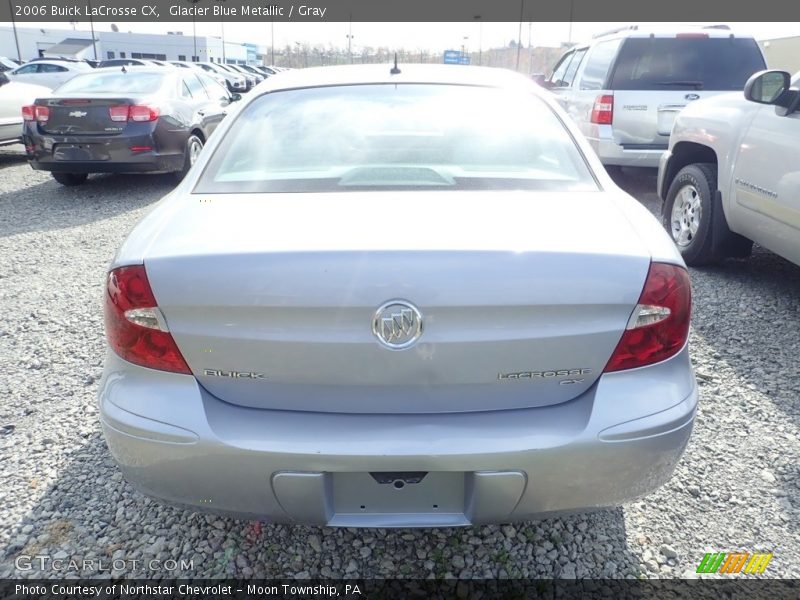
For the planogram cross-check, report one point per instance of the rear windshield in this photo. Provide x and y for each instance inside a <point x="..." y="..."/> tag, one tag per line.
<point x="364" y="137"/>
<point x="697" y="63"/>
<point x="115" y="82"/>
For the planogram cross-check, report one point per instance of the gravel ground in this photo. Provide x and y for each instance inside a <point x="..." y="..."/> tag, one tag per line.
<point x="735" y="489"/>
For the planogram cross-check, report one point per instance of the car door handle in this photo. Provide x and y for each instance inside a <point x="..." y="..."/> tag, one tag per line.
<point x="202" y="113"/>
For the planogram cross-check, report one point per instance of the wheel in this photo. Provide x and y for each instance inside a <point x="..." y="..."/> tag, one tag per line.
<point x="688" y="212"/>
<point x="193" y="147"/>
<point x="70" y="178"/>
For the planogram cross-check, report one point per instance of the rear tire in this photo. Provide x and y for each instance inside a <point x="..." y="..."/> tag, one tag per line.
<point x="70" y="179"/>
<point x="688" y="212"/>
<point x="193" y="147"/>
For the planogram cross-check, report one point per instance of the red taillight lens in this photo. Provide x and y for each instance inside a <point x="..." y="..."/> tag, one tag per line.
<point x="28" y="113"/>
<point x="603" y="110"/>
<point x="659" y="325"/>
<point x="118" y="113"/>
<point x="134" y="326"/>
<point x="42" y="113"/>
<point x="142" y="113"/>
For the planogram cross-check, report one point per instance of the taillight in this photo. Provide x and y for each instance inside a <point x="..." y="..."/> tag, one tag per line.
<point x="42" y="113"/>
<point x="603" y="110"/>
<point x="118" y="113"/>
<point x="135" y="328"/>
<point x="142" y="113"/>
<point x="28" y="113"/>
<point x="137" y="112"/>
<point x="659" y="325"/>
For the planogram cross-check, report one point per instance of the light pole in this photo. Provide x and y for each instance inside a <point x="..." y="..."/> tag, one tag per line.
<point x="91" y="26"/>
<point x="350" y="40"/>
<point x="14" y="26"/>
<point x="272" y="39"/>
<point x="480" y="38"/>
<point x="519" y="35"/>
<point x="195" y="58"/>
<point x="530" y="49"/>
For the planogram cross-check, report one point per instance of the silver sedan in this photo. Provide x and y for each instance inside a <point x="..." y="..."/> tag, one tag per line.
<point x="397" y="297"/>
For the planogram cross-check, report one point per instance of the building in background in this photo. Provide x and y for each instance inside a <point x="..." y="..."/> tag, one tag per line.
<point x="36" y="42"/>
<point x="782" y="53"/>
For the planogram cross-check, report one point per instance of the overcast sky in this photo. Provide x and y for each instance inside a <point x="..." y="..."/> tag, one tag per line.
<point x="433" y="37"/>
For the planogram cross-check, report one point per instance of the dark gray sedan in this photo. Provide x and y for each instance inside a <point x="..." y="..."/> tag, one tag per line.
<point x="127" y="120"/>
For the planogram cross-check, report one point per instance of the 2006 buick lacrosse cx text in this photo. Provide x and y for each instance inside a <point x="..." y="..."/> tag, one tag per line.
<point x="397" y="296"/>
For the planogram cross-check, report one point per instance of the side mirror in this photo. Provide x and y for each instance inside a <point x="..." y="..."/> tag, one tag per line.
<point x="235" y="97"/>
<point x="768" y="87"/>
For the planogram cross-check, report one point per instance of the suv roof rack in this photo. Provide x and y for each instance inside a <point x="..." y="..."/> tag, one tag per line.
<point x="617" y="30"/>
<point x="720" y="26"/>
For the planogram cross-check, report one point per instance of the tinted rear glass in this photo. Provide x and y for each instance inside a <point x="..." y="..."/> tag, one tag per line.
<point x="719" y="64"/>
<point x="115" y="82"/>
<point x="364" y="137"/>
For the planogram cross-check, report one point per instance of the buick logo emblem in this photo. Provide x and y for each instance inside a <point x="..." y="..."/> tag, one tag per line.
<point x="397" y="324"/>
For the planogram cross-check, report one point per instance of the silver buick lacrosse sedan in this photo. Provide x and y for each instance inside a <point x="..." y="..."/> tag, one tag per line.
<point x="397" y="297"/>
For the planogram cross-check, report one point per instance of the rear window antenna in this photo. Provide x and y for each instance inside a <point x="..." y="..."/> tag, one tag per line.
<point x="395" y="70"/>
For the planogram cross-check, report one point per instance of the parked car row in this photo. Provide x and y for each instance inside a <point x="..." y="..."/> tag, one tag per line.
<point x="52" y="72"/>
<point x="20" y="85"/>
<point x="729" y="164"/>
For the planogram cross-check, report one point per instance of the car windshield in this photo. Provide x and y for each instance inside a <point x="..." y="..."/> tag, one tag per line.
<point x="362" y="137"/>
<point x="680" y="63"/>
<point x="115" y="82"/>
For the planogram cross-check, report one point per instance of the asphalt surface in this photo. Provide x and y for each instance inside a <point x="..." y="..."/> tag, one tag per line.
<point x="737" y="487"/>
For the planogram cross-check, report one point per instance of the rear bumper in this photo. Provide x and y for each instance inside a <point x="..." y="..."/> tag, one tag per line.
<point x="95" y="154"/>
<point x="618" y="441"/>
<point x="612" y="153"/>
<point x="662" y="186"/>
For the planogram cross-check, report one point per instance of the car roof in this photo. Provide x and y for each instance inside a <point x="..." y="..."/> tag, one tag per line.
<point x="667" y="31"/>
<point x="409" y="73"/>
<point x="135" y="69"/>
<point x="57" y="61"/>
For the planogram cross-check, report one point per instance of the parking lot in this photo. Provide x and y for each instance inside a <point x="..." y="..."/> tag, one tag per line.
<point x="737" y="487"/>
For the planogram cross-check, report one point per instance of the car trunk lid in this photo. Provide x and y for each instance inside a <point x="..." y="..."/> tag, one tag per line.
<point x="81" y="115"/>
<point x="523" y="296"/>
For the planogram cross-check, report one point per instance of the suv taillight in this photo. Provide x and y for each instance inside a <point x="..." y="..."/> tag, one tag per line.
<point x="659" y="325"/>
<point x="603" y="110"/>
<point x="135" y="328"/>
<point x="28" y="113"/>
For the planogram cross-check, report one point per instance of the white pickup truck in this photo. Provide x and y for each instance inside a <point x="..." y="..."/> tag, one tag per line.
<point x="731" y="175"/>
